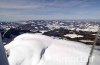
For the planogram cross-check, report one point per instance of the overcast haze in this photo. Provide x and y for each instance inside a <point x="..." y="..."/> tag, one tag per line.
<point x="14" y="10"/>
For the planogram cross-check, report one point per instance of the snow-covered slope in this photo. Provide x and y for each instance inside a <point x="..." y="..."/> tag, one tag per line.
<point x="73" y="35"/>
<point x="28" y="49"/>
<point x="68" y="53"/>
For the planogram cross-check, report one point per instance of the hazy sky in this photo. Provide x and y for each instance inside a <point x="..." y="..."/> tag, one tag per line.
<point x="13" y="10"/>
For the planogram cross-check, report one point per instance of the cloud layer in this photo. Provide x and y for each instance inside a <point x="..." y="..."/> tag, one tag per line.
<point x="45" y="9"/>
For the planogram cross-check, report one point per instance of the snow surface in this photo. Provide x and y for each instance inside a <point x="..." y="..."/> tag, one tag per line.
<point x="73" y="35"/>
<point x="86" y="41"/>
<point x="36" y="49"/>
<point x="27" y="47"/>
<point x="89" y="28"/>
<point x="44" y="31"/>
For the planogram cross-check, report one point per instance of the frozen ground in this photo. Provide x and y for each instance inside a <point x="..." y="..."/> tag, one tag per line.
<point x="36" y="49"/>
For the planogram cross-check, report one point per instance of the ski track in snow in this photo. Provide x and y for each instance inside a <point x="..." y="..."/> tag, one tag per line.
<point x="36" y="49"/>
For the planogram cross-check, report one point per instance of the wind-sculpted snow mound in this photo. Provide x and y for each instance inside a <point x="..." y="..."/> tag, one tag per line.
<point x="35" y="49"/>
<point x="27" y="49"/>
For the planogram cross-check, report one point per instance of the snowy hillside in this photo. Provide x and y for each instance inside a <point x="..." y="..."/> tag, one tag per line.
<point x="36" y="49"/>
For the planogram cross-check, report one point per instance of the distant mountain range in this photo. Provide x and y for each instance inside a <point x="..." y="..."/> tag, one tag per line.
<point x="57" y="28"/>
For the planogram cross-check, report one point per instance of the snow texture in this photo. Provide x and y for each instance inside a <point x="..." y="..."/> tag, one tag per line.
<point x="36" y="49"/>
<point x="73" y="35"/>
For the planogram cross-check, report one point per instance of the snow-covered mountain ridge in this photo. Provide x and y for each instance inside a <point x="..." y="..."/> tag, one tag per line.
<point x="36" y="49"/>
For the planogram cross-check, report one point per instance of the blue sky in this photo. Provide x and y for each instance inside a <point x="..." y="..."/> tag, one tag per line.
<point x="14" y="10"/>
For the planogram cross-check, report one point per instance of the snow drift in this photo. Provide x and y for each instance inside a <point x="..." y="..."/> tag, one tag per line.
<point x="26" y="49"/>
<point x="36" y="49"/>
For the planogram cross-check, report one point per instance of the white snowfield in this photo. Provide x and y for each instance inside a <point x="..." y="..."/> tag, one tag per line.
<point x="36" y="49"/>
<point x="73" y="35"/>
